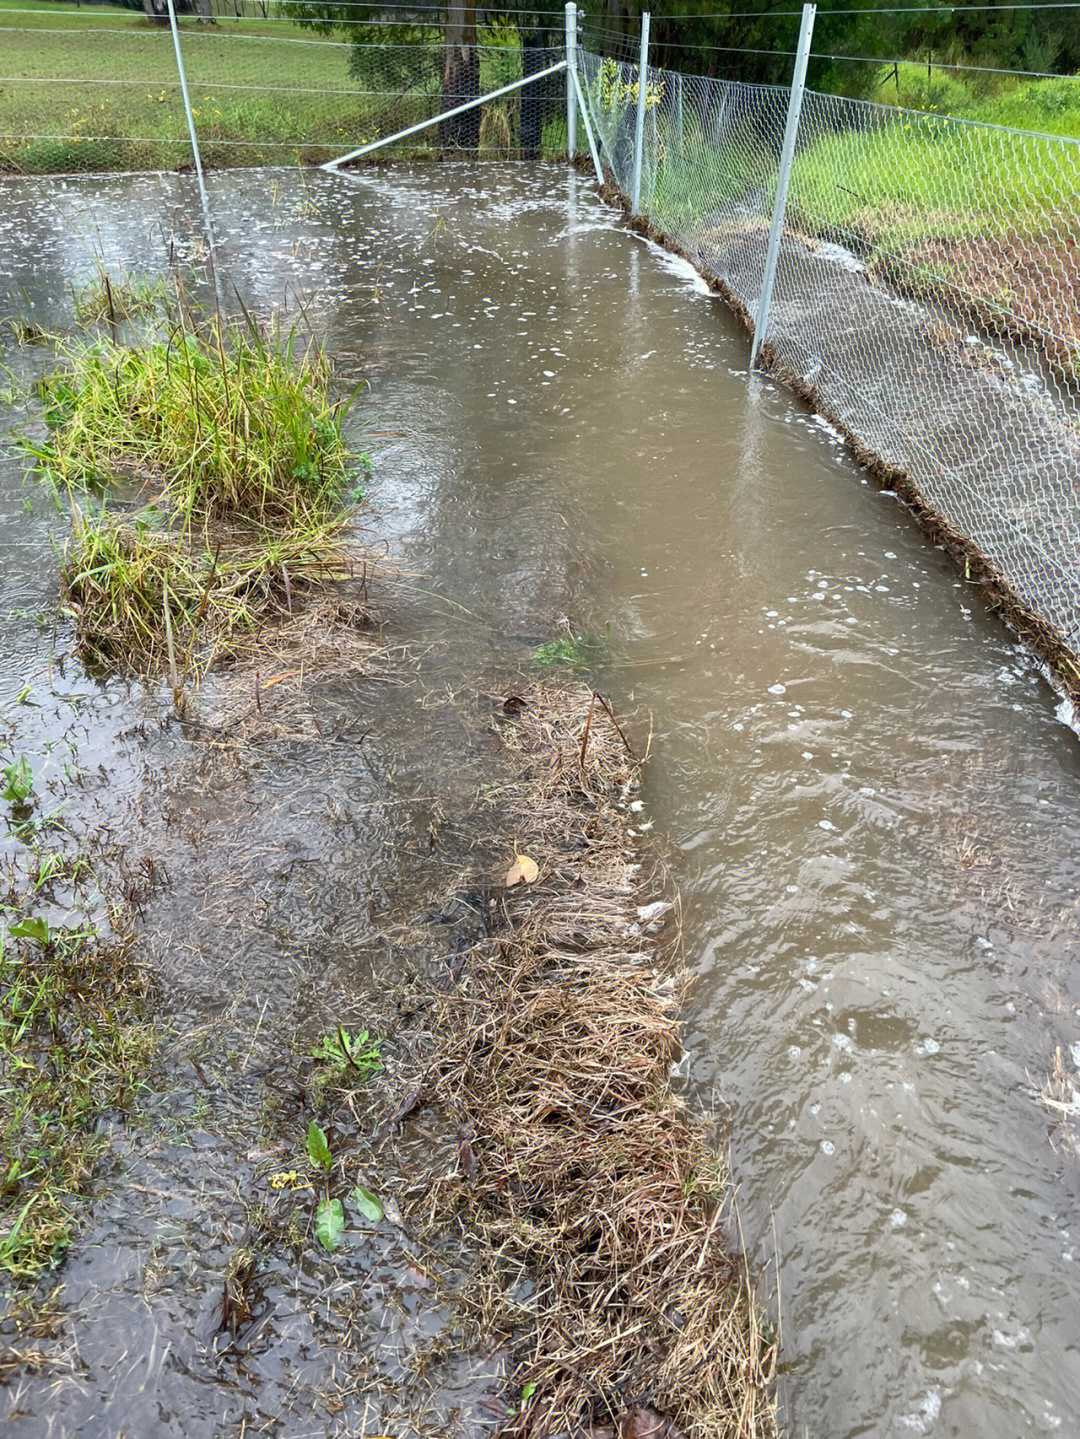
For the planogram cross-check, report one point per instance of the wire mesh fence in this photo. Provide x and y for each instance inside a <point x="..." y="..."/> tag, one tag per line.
<point x="927" y="294"/>
<point x="88" y="89"/>
<point x="927" y="288"/>
<point x="96" y="87"/>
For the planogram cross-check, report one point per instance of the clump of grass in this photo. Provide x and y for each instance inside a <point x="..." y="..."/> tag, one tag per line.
<point x="144" y="597"/>
<point x="238" y="437"/>
<point x="598" y="1198"/>
<point x="26" y="332"/>
<point x="106" y="298"/>
<point x="232" y="424"/>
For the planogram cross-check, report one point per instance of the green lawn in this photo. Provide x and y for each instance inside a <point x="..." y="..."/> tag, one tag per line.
<point x="97" y="89"/>
<point x="1049" y="106"/>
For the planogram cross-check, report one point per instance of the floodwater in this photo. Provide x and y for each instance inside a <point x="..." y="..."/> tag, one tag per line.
<point x="868" y="788"/>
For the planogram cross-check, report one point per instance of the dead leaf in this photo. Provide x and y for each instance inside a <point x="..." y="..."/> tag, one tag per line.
<point x="513" y="704"/>
<point x="523" y="868"/>
<point x="642" y="1423"/>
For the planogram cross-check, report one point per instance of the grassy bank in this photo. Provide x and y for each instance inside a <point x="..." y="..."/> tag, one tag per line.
<point x="979" y="218"/>
<point x="1051" y="106"/>
<point x="97" y="90"/>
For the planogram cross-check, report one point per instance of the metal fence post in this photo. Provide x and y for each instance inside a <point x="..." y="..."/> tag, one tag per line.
<point x="588" y="128"/>
<point x="639" y="128"/>
<point x="194" y="138"/>
<point x="571" y="61"/>
<point x="787" y="155"/>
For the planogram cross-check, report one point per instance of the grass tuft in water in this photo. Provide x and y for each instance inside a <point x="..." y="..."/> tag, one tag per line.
<point x="136" y="591"/>
<point x="235" y="438"/>
<point x="232" y="424"/>
<point x="568" y="649"/>
<point x="107" y="299"/>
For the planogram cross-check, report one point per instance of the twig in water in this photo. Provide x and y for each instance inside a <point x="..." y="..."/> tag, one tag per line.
<point x="169" y="640"/>
<point x="618" y="727"/>
<point x="588" y="726"/>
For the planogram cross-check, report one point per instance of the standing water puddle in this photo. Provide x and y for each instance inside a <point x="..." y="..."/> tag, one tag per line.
<point x="868" y="791"/>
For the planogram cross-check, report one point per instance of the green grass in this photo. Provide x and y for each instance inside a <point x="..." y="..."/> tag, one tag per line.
<point x="207" y="478"/>
<point x="919" y="172"/>
<point x="1047" y="106"/>
<point x="106" y="298"/>
<point x="229" y="423"/>
<point x="979" y="218"/>
<point x="96" y="89"/>
<point x="74" y="1041"/>
<point x="567" y="649"/>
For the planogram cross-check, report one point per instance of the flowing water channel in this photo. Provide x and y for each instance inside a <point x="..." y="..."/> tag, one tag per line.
<point x="868" y="789"/>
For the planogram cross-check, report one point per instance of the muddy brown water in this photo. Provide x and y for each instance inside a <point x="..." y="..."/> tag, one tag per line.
<point x="869" y="789"/>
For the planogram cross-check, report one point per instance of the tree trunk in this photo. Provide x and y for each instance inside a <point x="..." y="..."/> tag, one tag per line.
<point x="158" y="10"/>
<point x="461" y="76"/>
<point x="616" y="22"/>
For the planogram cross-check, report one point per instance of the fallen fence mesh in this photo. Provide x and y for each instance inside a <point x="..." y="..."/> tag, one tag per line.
<point x="927" y="295"/>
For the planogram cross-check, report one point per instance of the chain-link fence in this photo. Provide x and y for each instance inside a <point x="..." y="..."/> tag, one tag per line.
<point x="927" y="285"/>
<point x="95" y="87"/>
<point x="927" y="295"/>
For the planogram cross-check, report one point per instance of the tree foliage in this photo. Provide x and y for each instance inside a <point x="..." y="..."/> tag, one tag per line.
<point x="758" y="47"/>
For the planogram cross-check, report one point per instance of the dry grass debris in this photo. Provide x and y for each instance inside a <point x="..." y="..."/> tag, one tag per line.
<point x="597" y="1197"/>
<point x="1060" y="1096"/>
<point x="270" y="688"/>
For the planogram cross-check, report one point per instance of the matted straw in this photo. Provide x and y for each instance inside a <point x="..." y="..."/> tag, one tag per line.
<point x="598" y="1198"/>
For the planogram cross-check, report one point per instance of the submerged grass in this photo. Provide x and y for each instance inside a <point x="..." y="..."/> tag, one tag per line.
<point x="73" y="1043"/>
<point x="206" y="472"/>
<point x="567" y="649"/>
<point x="1060" y="1097"/>
<point x="114" y="300"/>
<point x="75" y="1037"/>
<point x="598" y="1198"/>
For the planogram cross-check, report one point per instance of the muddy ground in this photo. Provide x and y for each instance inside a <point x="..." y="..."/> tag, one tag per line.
<point x="298" y="888"/>
<point x="301" y="859"/>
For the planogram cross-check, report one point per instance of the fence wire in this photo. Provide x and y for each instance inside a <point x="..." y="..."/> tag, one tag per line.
<point x="927" y="293"/>
<point x="96" y="89"/>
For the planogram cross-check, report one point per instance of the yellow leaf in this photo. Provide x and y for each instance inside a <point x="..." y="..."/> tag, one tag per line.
<point x="276" y="679"/>
<point x="523" y="868"/>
